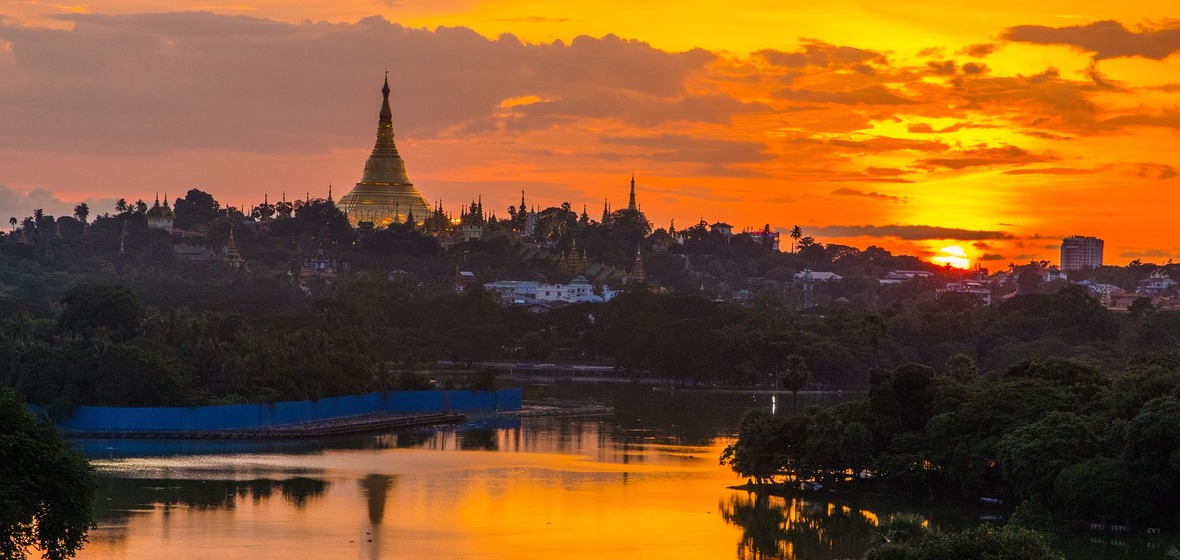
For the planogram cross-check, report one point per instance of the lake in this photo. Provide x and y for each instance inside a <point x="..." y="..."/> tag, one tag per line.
<point x="643" y="482"/>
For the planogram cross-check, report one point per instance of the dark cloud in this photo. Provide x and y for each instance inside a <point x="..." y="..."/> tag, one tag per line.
<point x="1106" y="39"/>
<point x="908" y="233"/>
<point x="675" y="147"/>
<point x="978" y="50"/>
<point x="535" y="19"/>
<point x="871" y="95"/>
<point x="1150" y="253"/>
<point x="1157" y="171"/>
<point x="1167" y="119"/>
<point x="821" y="54"/>
<point x="885" y="171"/>
<point x="975" y="69"/>
<point x="1051" y="171"/>
<point x="882" y="196"/>
<point x="696" y="192"/>
<point x="943" y="68"/>
<point x="631" y="107"/>
<point x="154" y="82"/>
<point x="1040" y="101"/>
<point x="991" y="257"/>
<point x="1045" y="135"/>
<point x="978" y="157"/>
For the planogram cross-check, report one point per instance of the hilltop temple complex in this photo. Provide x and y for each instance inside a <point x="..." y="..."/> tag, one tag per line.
<point x="384" y="194"/>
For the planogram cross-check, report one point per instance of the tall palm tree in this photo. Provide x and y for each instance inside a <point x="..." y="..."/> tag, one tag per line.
<point x="121" y="205"/>
<point x="796" y="235"/>
<point x="12" y="221"/>
<point x="82" y="211"/>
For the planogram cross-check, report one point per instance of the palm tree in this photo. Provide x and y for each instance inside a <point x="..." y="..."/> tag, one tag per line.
<point x="82" y="211"/>
<point x="875" y="329"/>
<point x="794" y="378"/>
<point x="121" y="205"/>
<point x="12" y="221"/>
<point x="796" y="235"/>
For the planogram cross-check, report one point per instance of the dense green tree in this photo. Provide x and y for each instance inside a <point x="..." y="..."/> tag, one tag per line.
<point x="985" y="543"/>
<point x="765" y="446"/>
<point x="46" y="488"/>
<point x="962" y="367"/>
<point x="1032" y="456"/>
<point x="114" y="311"/>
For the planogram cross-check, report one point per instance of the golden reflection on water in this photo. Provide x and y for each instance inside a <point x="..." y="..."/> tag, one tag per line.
<point x="570" y="492"/>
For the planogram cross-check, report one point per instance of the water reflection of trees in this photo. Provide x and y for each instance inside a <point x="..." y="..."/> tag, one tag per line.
<point x="794" y="528"/>
<point x="125" y="496"/>
<point x="682" y="417"/>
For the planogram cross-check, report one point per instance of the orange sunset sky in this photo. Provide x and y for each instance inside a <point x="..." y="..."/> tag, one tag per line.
<point x="996" y="127"/>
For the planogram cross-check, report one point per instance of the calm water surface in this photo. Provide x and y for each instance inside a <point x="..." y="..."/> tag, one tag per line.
<point x="641" y="483"/>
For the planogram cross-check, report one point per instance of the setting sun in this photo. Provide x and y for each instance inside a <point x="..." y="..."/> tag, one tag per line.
<point x="953" y="255"/>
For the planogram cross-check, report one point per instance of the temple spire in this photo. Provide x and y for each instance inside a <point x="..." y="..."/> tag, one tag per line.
<point x="631" y="202"/>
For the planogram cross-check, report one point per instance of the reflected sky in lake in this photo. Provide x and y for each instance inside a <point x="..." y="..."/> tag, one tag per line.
<point x="643" y="482"/>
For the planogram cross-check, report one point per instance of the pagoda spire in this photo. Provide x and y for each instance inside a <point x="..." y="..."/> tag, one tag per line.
<point x="638" y="273"/>
<point x="232" y="256"/>
<point x="385" y="146"/>
<point x="631" y="202"/>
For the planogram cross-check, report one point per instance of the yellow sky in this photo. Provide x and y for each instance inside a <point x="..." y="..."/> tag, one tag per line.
<point x="998" y="128"/>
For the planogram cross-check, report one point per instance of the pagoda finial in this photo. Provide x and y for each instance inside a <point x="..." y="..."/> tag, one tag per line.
<point x="386" y="115"/>
<point x="329" y="192"/>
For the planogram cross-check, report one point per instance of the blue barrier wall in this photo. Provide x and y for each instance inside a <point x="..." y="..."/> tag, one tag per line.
<point x="248" y="416"/>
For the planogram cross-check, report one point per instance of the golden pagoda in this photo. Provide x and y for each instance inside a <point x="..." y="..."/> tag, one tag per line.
<point x="384" y="194"/>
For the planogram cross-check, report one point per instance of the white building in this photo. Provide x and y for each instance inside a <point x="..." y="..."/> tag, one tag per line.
<point x="1158" y="284"/>
<point x="517" y="292"/>
<point x="808" y="274"/>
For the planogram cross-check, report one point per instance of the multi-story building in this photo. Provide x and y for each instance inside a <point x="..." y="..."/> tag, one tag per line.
<point x="1081" y="253"/>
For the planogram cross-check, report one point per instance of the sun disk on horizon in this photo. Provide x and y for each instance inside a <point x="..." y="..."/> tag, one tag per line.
<point x="953" y="255"/>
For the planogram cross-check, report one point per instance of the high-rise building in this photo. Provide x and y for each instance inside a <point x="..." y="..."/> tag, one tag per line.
<point x="384" y="194"/>
<point x="1081" y="253"/>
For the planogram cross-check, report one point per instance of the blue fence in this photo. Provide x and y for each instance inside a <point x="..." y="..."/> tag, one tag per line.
<point x="248" y="416"/>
